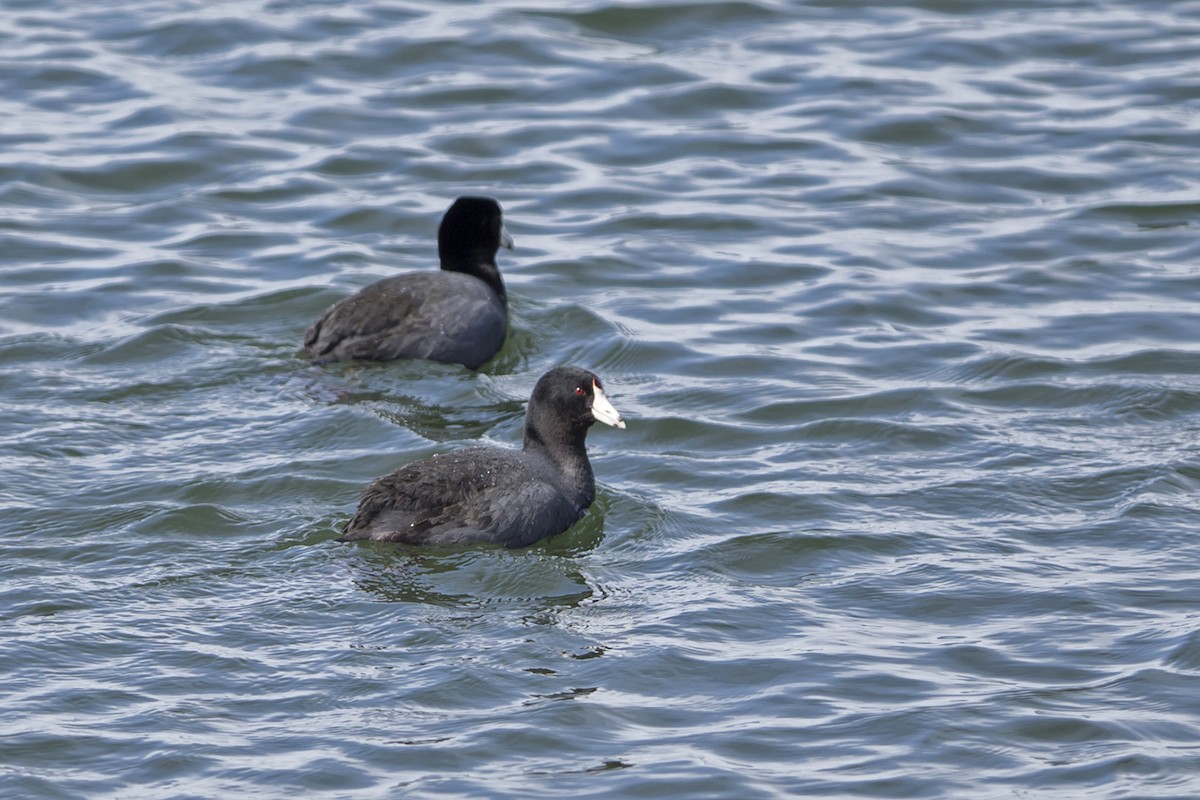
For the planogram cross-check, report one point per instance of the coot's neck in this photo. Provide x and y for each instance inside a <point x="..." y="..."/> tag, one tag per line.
<point x="566" y="448"/>
<point x="477" y="262"/>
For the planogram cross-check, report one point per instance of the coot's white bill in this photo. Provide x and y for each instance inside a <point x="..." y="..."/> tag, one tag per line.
<point x="603" y="410"/>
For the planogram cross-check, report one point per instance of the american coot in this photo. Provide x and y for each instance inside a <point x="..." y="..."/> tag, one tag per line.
<point x="488" y="494"/>
<point x="458" y="315"/>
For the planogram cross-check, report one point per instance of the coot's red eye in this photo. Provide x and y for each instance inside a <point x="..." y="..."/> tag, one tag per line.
<point x="578" y="391"/>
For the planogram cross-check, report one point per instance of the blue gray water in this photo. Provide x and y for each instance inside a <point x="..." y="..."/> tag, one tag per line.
<point x="901" y="302"/>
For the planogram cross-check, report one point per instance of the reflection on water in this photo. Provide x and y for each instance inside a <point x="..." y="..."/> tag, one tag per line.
<point x="467" y="579"/>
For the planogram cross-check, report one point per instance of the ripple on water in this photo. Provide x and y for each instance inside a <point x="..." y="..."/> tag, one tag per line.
<point x="897" y="301"/>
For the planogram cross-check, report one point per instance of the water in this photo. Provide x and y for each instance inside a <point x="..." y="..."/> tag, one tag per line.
<point x="899" y="301"/>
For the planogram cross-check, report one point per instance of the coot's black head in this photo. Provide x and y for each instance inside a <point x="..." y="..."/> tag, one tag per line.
<point x="471" y="232"/>
<point x="566" y="402"/>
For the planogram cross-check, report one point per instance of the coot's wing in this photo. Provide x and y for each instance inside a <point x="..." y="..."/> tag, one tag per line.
<point x="532" y="511"/>
<point x="363" y="318"/>
<point x="464" y="325"/>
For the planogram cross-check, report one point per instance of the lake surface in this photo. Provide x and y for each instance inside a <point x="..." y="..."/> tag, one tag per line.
<point x="901" y="302"/>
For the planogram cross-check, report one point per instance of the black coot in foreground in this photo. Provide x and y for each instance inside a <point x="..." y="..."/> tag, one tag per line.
<point x="458" y="315"/>
<point x="488" y="494"/>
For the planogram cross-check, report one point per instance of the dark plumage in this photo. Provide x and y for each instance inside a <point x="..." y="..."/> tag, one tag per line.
<point x="489" y="494"/>
<point x="458" y="315"/>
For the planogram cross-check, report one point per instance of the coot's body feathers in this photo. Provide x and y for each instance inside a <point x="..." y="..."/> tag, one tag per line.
<point x="487" y="494"/>
<point x="457" y="315"/>
<point x="441" y="316"/>
<point x="476" y="495"/>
